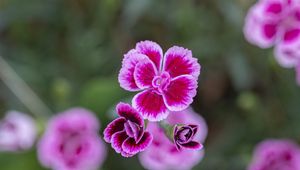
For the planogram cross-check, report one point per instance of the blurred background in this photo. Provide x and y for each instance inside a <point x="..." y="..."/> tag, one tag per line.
<point x="70" y="51"/>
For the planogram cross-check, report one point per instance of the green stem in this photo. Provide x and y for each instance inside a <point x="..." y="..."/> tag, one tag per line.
<point x="22" y="91"/>
<point x="168" y="129"/>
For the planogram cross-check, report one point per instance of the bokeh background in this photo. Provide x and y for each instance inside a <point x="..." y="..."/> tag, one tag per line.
<point x="70" y="51"/>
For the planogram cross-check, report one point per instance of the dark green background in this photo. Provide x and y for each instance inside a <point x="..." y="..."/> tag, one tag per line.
<point x="70" y="52"/>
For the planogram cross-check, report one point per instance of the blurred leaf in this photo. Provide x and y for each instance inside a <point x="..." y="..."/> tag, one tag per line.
<point x="100" y="94"/>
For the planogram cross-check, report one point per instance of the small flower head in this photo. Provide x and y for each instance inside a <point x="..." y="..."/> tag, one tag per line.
<point x="17" y="132"/>
<point x="183" y="137"/>
<point x="126" y="133"/>
<point x="163" y="154"/>
<point x="71" y="142"/>
<point x="276" y="154"/>
<point x="167" y="83"/>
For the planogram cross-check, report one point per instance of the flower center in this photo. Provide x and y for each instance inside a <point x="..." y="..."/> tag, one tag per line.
<point x="8" y="126"/>
<point x="132" y="129"/>
<point x="185" y="134"/>
<point x="162" y="81"/>
<point x="71" y="147"/>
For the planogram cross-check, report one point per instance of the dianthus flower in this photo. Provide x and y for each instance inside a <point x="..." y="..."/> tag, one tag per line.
<point x="126" y="133"/>
<point x="276" y="23"/>
<point x="17" y="132"/>
<point x="71" y="142"/>
<point x="167" y="83"/>
<point x="276" y="155"/>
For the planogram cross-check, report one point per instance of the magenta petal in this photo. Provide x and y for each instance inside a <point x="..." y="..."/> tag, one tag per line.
<point x="152" y="50"/>
<point x="258" y="31"/>
<point x="179" y="61"/>
<point x="127" y="155"/>
<point x="192" y="145"/>
<point x="144" y="73"/>
<point x="274" y="8"/>
<point x="179" y="95"/>
<point x="291" y="35"/>
<point x="130" y="146"/>
<point x="134" y="130"/>
<point x="150" y="105"/>
<point x="126" y="111"/>
<point x="126" y="78"/>
<point x="113" y="127"/>
<point x="287" y="53"/>
<point x="117" y="140"/>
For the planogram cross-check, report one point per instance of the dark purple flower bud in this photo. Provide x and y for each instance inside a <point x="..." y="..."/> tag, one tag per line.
<point x="183" y="137"/>
<point x="126" y="133"/>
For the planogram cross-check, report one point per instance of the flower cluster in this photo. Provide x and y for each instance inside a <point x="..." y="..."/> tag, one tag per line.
<point x="276" y="154"/>
<point x="162" y="154"/>
<point x="276" y="23"/>
<point x="167" y="85"/>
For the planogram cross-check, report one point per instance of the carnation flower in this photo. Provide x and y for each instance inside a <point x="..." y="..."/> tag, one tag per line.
<point x="126" y="133"/>
<point x="276" y="23"/>
<point x="17" y="132"/>
<point x="276" y="155"/>
<point x="183" y="137"/>
<point x="71" y="142"/>
<point x="167" y="83"/>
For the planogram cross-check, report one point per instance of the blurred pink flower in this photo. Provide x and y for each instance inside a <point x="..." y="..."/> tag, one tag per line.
<point x="17" y="132"/>
<point x="126" y="133"/>
<point x="276" y="22"/>
<point x="167" y="82"/>
<point x="71" y="142"/>
<point x="276" y="155"/>
<point x="162" y="154"/>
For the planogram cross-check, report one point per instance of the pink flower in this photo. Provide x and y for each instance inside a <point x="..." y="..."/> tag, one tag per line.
<point x="126" y="133"/>
<point x="71" y="142"/>
<point x="162" y="154"/>
<point x="167" y="82"/>
<point x="276" y="22"/>
<point x="184" y="135"/>
<point x="17" y="132"/>
<point x="276" y="155"/>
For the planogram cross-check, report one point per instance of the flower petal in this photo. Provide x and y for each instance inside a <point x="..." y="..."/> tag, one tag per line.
<point x="192" y="145"/>
<point x="179" y="61"/>
<point x="150" y="105"/>
<point x="133" y="130"/>
<point x="152" y="50"/>
<point x="129" y="113"/>
<point x="179" y="94"/>
<point x="129" y="146"/>
<point x="144" y="73"/>
<point x="287" y="51"/>
<point x="129" y="62"/>
<point x="261" y="23"/>
<point x="127" y="155"/>
<point x="113" y="127"/>
<point x="117" y="140"/>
